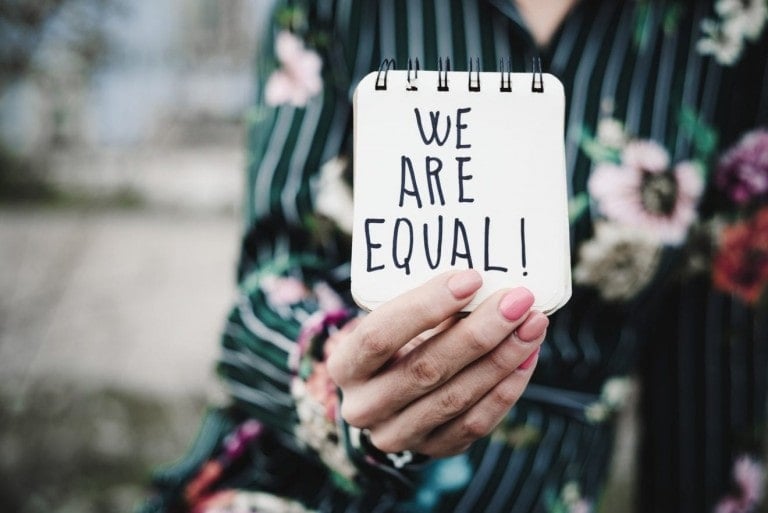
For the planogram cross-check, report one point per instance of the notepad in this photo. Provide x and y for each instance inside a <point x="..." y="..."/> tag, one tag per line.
<point x="457" y="170"/>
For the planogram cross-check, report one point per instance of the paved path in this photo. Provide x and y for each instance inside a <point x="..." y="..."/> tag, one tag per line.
<point x="127" y="299"/>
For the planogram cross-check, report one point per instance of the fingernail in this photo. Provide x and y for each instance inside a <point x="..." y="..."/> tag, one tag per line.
<point x="464" y="283"/>
<point x="533" y="327"/>
<point x="515" y="303"/>
<point x="528" y="363"/>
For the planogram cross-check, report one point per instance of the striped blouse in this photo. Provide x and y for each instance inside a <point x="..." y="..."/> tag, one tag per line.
<point x="667" y="169"/>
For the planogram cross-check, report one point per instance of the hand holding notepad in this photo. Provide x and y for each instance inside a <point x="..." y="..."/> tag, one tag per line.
<point x="457" y="170"/>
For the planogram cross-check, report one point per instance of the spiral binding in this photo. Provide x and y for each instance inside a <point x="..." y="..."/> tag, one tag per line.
<point x="386" y="64"/>
<point x="442" y="76"/>
<point x="473" y="78"/>
<point x="474" y="85"/>
<point x="506" y="76"/>
<point x="412" y="85"/>
<point x="537" y="86"/>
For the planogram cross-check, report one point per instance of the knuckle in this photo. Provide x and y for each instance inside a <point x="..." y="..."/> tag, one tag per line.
<point x="430" y="312"/>
<point x="335" y="369"/>
<point x="502" y="359"/>
<point x="424" y="373"/>
<point x="506" y="394"/>
<point x="355" y="413"/>
<point x="473" y="428"/>
<point x="386" y="443"/>
<point x="453" y="402"/>
<point x="370" y="342"/>
<point x="473" y="337"/>
<point x="453" y="451"/>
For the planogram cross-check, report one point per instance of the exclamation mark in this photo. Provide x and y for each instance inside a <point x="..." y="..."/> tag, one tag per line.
<point x="522" y="243"/>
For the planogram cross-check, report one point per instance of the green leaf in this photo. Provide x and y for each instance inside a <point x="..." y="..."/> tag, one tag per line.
<point x="672" y="18"/>
<point x="577" y="206"/>
<point x="596" y="151"/>
<point x="345" y="484"/>
<point x="292" y="18"/>
<point x="703" y="136"/>
<point x="642" y="25"/>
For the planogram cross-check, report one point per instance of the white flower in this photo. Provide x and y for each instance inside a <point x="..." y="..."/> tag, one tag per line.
<point x="615" y="392"/>
<point x="572" y="499"/>
<point x="610" y="133"/>
<point x="618" y="261"/>
<point x="298" y="79"/>
<point x="747" y="17"/>
<point x="333" y="196"/>
<point x="596" y="412"/>
<point x="740" y="21"/>
<point x="581" y="506"/>
<point x="246" y="502"/>
<point x="725" y="47"/>
<point x="571" y="492"/>
<point x="322" y="435"/>
<point x="754" y="18"/>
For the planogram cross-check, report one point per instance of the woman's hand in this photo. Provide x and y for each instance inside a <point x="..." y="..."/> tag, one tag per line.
<point x="420" y="378"/>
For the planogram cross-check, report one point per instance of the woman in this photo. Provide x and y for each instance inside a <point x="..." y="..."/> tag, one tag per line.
<point x="668" y="177"/>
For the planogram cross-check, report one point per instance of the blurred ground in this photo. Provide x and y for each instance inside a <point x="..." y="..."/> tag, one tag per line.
<point x="109" y="321"/>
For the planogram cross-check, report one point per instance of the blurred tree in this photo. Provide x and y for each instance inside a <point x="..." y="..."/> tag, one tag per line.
<point x="24" y="25"/>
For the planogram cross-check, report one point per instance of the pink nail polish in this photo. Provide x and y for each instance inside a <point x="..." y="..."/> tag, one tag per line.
<point x="528" y="363"/>
<point x="464" y="283"/>
<point x="515" y="303"/>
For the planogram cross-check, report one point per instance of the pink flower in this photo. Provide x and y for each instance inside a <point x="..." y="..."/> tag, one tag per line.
<point x="298" y="79"/>
<point x="283" y="290"/>
<point x="742" y="172"/>
<point x="581" y="506"/>
<point x="322" y="389"/>
<point x="643" y="193"/>
<point x="237" y="442"/>
<point x="645" y="155"/>
<point x="749" y="475"/>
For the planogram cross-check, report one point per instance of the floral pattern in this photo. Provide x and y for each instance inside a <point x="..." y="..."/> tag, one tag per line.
<point x="569" y="500"/>
<point x="618" y="262"/>
<point x="237" y="501"/>
<point x="742" y="172"/>
<point x="298" y="78"/>
<point x="738" y="22"/>
<point x="613" y="397"/>
<point x="641" y="191"/>
<point x="749" y="477"/>
<point x="741" y="263"/>
<point x="643" y="205"/>
<point x="316" y="395"/>
<point x="333" y="195"/>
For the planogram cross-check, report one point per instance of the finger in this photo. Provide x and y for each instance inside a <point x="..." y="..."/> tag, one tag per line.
<point x="388" y="328"/>
<point x="412" y="425"/>
<point x="482" y="418"/>
<point x="534" y="327"/>
<point x="416" y="342"/>
<point x="435" y="361"/>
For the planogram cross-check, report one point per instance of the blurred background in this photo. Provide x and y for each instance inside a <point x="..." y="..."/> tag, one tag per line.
<point x="121" y="162"/>
<point x="122" y="154"/>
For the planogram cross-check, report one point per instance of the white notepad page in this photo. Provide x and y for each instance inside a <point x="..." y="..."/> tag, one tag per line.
<point x="457" y="179"/>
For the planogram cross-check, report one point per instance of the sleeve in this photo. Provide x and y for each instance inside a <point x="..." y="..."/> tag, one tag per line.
<point x="705" y="372"/>
<point x="293" y="277"/>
